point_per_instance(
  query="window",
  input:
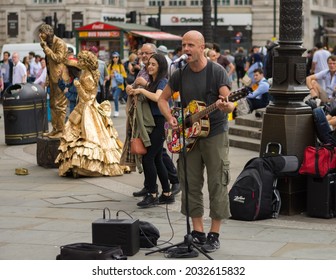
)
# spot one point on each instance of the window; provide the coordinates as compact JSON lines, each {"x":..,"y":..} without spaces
{"x":111,"y":2}
{"x":158,"y":3}
{"x":243,"y":2}
{"x":197,"y":3}
{"x":178,"y":3}
{"x":48,"y":1}
{"x":330,"y":22}
{"x":223,"y":2}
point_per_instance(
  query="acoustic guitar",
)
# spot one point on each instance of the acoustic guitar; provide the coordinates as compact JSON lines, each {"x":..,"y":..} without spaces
{"x":196,"y":122}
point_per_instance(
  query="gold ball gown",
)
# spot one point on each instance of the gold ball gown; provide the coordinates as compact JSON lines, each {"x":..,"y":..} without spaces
{"x":90,"y":145}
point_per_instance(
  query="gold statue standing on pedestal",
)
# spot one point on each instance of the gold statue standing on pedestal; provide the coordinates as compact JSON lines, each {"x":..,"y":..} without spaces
{"x":89,"y":144}
{"x":55,"y":50}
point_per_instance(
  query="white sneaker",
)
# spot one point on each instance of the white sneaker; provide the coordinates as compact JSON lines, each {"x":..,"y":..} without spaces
{"x":116,"y":114}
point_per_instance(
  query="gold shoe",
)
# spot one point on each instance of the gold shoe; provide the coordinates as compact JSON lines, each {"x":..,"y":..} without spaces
{"x":21,"y":171}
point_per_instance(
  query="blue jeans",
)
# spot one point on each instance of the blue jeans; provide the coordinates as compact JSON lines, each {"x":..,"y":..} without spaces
{"x":115,"y":93}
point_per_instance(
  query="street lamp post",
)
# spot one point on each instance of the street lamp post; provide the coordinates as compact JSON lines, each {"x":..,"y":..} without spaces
{"x":274,"y":20}
{"x":294,"y":128}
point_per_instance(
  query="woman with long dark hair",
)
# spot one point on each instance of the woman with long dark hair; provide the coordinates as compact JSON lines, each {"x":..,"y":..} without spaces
{"x":152,"y":163}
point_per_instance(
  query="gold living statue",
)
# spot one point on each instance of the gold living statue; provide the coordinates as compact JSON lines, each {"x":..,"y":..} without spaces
{"x":55,"y":50}
{"x":89,"y":144}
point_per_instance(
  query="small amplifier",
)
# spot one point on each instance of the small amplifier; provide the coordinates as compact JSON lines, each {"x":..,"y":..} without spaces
{"x":124,"y":233}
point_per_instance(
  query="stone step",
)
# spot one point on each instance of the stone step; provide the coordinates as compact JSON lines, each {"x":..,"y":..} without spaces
{"x":245,"y":131}
{"x":249,"y":120}
{"x":244,"y":143}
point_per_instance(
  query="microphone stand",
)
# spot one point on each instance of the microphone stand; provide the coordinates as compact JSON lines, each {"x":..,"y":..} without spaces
{"x":187,"y":248}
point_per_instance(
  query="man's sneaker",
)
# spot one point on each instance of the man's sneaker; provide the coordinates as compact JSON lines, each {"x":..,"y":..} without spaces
{"x":142,"y":192}
{"x":148,"y":201}
{"x":198,"y":237}
{"x":166,"y":199}
{"x":175,"y":189}
{"x":212,"y":243}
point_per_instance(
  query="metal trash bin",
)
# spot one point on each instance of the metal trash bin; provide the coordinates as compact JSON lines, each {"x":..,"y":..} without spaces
{"x":25,"y":113}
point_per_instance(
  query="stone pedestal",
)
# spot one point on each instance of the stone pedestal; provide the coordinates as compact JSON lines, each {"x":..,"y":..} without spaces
{"x":47,"y":152}
{"x":294,"y":133}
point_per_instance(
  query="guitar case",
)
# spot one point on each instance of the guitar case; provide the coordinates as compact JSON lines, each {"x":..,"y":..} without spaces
{"x":321,"y":196}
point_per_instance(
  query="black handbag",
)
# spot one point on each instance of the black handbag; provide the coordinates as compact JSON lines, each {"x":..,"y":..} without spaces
{"x":89,"y":251}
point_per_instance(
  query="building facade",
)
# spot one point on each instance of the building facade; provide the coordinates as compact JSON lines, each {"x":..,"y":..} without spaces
{"x":234,"y":22}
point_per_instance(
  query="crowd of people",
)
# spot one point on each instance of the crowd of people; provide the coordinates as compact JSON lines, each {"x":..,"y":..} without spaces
{"x":149,"y":82}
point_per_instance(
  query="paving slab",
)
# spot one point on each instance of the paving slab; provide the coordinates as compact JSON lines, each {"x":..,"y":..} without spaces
{"x":42,"y":211}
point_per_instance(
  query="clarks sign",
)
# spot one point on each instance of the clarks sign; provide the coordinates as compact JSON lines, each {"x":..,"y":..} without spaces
{"x":197,"y":19}
{"x":192,"y":20}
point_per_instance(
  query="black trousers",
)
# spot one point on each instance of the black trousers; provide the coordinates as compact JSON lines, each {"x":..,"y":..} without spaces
{"x":152,"y":162}
{"x":169,"y":164}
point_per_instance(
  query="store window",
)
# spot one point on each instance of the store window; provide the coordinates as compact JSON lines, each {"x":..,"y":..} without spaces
{"x":111,"y":2}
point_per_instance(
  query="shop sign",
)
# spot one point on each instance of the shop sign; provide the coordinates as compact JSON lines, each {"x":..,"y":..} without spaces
{"x":12,"y":25}
{"x":197,"y":19}
{"x":113,"y":19}
{"x":77,"y":20}
{"x":99,"y":34}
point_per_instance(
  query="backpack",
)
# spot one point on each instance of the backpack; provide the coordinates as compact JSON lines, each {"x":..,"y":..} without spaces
{"x":268,"y":60}
{"x":148,"y":234}
{"x":254,"y":195}
{"x":240,"y":60}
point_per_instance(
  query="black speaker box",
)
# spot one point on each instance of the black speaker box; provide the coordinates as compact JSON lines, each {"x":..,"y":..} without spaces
{"x":124,"y":233}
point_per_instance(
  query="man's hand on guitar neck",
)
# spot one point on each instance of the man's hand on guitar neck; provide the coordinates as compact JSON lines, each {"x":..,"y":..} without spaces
{"x":224,"y":105}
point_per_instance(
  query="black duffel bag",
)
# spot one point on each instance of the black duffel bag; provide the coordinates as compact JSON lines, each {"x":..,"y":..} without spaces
{"x":89,"y":251}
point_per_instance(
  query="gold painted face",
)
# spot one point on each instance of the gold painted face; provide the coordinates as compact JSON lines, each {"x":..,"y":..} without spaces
{"x":87,"y":60}
{"x":43,"y":36}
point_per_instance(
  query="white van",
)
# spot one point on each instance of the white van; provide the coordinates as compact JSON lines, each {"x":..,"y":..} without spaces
{"x":24,"y":48}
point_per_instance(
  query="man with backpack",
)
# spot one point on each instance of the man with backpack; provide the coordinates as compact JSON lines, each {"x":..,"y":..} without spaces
{"x":268,"y":59}
{"x":240,"y":61}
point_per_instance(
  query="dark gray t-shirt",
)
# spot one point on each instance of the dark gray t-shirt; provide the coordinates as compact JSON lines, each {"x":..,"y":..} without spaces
{"x":194,"y":88}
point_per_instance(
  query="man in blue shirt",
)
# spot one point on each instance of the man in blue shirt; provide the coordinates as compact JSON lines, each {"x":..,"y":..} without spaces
{"x":259,"y":97}
{"x":327,"y":92}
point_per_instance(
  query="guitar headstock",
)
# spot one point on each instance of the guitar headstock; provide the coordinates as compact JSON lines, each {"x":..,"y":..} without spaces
{"x":238,"y":94}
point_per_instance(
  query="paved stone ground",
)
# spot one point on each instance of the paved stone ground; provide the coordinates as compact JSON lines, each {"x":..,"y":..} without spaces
{"x":42,"y":211}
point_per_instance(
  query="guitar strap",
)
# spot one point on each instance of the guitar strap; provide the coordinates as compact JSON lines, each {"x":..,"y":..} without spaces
{"x":208,"y":82}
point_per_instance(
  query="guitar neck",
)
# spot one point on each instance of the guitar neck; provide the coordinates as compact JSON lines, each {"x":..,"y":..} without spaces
{"x":234,"y":96}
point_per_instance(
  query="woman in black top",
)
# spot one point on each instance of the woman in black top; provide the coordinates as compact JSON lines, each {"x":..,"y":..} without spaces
{"x":152,"y":161}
